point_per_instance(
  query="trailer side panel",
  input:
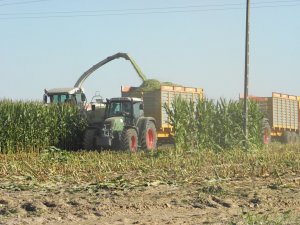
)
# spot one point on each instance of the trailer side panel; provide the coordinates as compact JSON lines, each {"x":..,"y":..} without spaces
{"x":285,"y":112}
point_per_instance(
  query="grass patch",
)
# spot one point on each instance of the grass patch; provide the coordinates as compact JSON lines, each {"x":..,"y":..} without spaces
{"x":274,"y":219}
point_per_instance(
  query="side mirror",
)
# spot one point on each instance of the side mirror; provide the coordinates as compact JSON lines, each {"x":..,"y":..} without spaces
{"x":45,"y":99}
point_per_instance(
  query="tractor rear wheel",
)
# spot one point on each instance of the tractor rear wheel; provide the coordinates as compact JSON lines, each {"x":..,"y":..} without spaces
{"x":149,"y":136}
{"x":89,"y":142}
{"x":129,"y":140}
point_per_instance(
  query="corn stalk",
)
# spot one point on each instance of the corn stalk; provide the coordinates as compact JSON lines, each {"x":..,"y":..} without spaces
{"x":213,"y":125}
{"x":34,"y":126}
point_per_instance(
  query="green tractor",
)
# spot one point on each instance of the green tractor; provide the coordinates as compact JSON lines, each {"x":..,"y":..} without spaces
{"x":124,"y":127}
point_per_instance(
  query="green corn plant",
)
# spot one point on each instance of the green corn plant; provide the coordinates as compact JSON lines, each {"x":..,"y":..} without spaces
{"x":177,"y":118}
{"x":204,"y":119}
{"x":216,"y":125}
{"x":34,"y":126}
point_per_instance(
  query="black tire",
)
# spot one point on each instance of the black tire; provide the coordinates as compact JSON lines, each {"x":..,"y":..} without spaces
{"x":129,"y":140}
{"x":89,"y":142}
{"x":148,"y":136}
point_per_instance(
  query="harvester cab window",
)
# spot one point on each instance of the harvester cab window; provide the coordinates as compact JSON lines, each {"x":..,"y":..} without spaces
{"x":55,"y":99}
{"x":64,"y":98}
{"x":78,"y":98}
{"x":59,"y":98}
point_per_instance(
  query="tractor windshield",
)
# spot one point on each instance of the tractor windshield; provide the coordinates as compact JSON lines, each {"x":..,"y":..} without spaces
{"x":119,"y":108}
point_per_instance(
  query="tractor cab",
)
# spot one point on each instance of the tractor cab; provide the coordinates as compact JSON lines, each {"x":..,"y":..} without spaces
{"x":74,"y":96}
{"x":129,"y":108}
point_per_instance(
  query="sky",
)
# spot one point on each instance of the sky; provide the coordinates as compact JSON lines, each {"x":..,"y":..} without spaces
{"x":195,"y":43}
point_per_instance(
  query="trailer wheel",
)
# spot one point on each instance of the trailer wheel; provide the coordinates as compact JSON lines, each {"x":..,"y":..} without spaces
{"x":89,"y":142}
{"x":129,"y":140}
{"x":149,"y":136}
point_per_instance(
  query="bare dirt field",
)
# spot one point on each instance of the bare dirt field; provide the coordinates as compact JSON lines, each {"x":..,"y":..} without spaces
{"x":229,"y":201}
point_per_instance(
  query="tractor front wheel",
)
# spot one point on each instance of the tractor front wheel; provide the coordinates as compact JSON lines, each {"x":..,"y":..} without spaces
{"x":129,"y":140}
{"x":149,"y":136}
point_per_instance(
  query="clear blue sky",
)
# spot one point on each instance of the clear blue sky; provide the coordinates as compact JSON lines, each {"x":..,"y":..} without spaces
{"x":198,"y":43}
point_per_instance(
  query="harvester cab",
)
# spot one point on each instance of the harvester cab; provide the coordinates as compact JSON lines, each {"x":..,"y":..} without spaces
{"x":73,"y":96}
{"x":124,"y":127}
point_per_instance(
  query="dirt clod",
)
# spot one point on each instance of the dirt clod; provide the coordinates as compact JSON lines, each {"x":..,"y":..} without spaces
{"x":29,"y":207}
{"x":49,"y":204}
{"x":3,"y":202}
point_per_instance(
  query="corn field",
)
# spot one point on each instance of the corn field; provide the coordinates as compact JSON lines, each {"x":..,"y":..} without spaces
{"x":204,"y":124}
{"x":213,"y":125}
{"x":29,"y":126}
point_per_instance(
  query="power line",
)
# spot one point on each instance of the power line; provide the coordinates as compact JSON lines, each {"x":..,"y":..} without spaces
{"x":146,"y":11}
{"x":230,"y":4}
{"x":125,"y":10}
{"x":22,"y":3}
{"x":152,"y":8}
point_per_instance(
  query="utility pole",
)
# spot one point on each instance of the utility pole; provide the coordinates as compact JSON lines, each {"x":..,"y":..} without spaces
{"x":246,"y":74}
